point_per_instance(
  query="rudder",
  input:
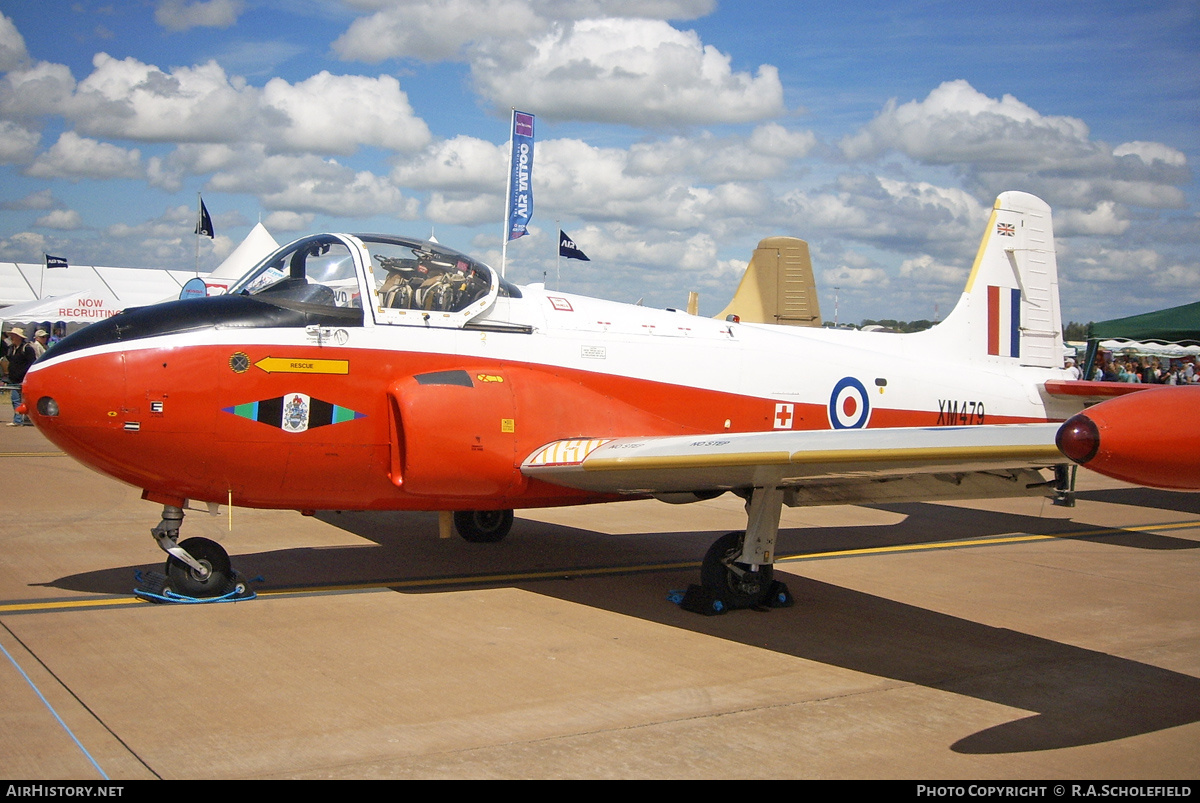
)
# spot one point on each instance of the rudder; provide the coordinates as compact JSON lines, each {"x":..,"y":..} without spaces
{"x":1009,"y":309}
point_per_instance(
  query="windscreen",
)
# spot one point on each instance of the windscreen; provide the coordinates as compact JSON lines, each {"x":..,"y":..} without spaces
{"x":315,"y":270}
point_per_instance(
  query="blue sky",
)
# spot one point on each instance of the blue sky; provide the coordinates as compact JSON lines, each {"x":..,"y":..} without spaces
{"x":672,"y":135}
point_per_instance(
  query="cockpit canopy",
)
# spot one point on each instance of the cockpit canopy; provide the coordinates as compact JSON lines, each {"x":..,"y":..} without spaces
{"x":406,"y":281}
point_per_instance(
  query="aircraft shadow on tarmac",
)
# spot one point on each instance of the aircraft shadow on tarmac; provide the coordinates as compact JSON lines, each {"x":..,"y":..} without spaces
{"x":1184,"y":502}
{"x":1077,"y":696}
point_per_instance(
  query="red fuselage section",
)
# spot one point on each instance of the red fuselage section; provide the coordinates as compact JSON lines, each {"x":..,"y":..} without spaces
{"x":1148,"y":438}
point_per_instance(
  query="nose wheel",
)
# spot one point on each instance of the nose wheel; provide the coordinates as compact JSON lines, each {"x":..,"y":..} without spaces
{"x":197,"y":568}
{"x":213,"y":578}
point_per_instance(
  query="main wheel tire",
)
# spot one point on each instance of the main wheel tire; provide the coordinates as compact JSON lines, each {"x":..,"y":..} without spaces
{"x":483,"y":526}
{"x":184,"y":580}
{"x":731,"y":581}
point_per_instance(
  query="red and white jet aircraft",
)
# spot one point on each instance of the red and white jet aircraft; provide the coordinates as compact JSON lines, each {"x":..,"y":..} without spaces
{"x":1147,"y":438}
{"x":364,"y":372}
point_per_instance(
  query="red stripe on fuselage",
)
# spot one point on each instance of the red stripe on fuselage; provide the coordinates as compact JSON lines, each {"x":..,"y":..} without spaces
{"x":155,"y":418}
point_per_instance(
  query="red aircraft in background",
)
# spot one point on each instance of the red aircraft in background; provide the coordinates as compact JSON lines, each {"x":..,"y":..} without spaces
{"x":1147,"y":438}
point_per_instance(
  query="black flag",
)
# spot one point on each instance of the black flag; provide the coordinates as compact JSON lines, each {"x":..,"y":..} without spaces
{"x":568,"y":249}
{"x":55,"y":262}
{"x":204,"y":224}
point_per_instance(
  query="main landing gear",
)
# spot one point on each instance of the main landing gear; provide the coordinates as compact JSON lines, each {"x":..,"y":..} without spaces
{"x":197,"y":568}
{"x":738,"y":570}
{"x":483,"y":526}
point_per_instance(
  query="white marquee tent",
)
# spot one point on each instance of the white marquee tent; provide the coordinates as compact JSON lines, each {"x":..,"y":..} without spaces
{"x":87,"y":293}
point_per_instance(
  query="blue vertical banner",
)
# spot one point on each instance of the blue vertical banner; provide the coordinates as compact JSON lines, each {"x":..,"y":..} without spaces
{"x":520,"y":185}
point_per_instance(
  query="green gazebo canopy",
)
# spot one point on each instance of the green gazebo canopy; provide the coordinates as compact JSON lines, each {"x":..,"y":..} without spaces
{"x":1174,"y":325}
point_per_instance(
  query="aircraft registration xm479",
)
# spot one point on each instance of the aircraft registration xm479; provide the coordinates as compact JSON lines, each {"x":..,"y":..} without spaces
{"x":367,"y":372}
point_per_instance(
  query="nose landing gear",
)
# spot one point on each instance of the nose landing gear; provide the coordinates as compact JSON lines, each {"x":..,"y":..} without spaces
{"x":197,"y":569}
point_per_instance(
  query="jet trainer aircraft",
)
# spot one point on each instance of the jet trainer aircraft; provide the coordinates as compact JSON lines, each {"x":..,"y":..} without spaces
{"x":367,"y":372}
{"x":1146,"y":438}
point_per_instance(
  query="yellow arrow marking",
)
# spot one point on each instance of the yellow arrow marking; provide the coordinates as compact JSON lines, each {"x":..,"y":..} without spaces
{"x":288,"y":365}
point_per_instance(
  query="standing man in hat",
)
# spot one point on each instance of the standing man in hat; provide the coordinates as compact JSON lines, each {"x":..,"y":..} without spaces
{"x":41,"y":342}
{"x":20,"y":356}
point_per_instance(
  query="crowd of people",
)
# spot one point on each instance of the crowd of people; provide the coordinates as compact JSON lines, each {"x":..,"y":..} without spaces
{"x":1144,"y":370}
{"x":17,"y":354}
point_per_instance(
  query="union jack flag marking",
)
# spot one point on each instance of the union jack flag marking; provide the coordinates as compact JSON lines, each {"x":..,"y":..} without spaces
{"x":1006,"y":229}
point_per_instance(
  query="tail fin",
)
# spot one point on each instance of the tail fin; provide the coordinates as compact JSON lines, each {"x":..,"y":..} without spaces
{"x":1009,"y":310}
{"x":778,"y":286}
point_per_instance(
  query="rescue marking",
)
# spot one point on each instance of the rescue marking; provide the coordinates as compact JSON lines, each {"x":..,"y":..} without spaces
{"x":288,"y":365}
{"x":239,"y":362}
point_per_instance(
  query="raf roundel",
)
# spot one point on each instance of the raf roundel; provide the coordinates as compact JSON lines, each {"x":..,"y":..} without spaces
{"x":849,"y":405}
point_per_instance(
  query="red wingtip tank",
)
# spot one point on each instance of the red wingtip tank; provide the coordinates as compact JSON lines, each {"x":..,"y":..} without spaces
{"x":1150,"y":438}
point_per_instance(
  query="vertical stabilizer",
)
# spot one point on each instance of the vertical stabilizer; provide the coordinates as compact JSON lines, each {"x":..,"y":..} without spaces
{"x":778,"y":286}
{"x":1009,"y":310}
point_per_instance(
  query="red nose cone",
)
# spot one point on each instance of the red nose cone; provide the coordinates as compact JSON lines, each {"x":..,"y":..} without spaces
{"x":1078,"y":438}
{"x":1147,"y":438}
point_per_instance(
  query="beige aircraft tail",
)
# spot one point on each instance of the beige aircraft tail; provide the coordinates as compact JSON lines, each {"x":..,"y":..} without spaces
{"x":778,"y":286}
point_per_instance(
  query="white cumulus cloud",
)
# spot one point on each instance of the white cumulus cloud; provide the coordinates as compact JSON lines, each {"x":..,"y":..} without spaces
{"x":63,"y":219}
{"x":180,"y":15}
{"x":640,"y":72}
{"x":17,"y":145}
{"x":12,"y":45}
{"x":1105,"y":219}
{"x":434,"y":30}
{"x":74,"y":157}
{"x":957,"y":123}
{"x":337,"y":114}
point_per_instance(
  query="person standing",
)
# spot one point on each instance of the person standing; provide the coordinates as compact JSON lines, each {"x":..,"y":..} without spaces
{"x":20,"y":356}
{"x":40,"y":342}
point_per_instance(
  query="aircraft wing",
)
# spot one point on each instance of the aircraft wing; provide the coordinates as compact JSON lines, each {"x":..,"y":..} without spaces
{"x":839,"y":466}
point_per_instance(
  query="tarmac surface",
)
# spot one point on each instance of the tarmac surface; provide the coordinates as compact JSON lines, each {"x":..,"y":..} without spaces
{"x":989,"y":640}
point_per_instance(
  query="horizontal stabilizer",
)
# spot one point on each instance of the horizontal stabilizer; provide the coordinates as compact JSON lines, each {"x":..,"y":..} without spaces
{"x":1086,"y":391}
{"x":778,"y":286}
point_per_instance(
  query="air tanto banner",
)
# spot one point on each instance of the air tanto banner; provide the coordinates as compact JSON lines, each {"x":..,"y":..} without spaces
{"x":520,"y":186}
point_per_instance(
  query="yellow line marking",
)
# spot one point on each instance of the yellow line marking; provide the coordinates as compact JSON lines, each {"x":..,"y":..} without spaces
{"x":18,"y":607}
{"x":1003,"y":539}
{"x":493,"y":579}
{"x":33,"y":454}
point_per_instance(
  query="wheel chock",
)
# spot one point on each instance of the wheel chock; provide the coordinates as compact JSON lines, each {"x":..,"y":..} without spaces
{"x":153,"y":588}
{"x":698,"y":599}
{"x":778,"y":596}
